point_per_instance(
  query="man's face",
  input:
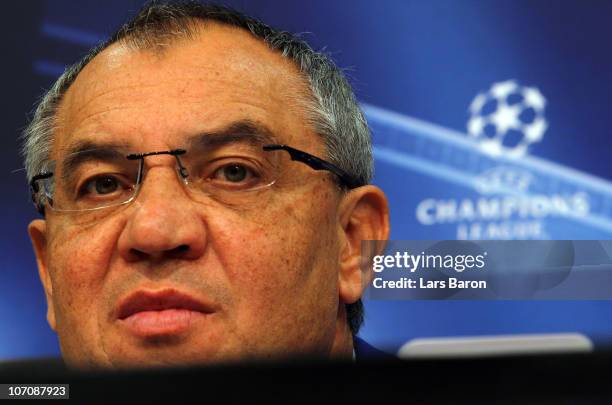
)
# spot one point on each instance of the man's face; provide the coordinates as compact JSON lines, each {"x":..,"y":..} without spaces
{"x":259,"y":280}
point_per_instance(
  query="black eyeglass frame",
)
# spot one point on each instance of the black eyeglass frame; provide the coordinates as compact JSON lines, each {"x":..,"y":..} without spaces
{"x":316,"y":163}
{"x":297,"y":155}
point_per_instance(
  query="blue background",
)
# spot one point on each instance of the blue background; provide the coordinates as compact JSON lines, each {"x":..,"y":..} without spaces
{"x":422,"y":60}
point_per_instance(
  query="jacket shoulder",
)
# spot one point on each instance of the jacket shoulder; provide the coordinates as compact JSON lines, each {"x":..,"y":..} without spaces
{"x":365,"y":351}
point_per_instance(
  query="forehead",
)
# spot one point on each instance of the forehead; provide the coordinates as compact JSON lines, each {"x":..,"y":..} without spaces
{"x":154,"y":99}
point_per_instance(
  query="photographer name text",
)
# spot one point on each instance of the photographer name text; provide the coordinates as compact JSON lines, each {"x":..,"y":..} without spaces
{"x":404,"y":261}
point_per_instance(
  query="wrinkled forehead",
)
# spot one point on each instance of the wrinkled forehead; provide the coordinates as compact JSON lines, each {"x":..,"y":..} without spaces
{"x":147,"y":99}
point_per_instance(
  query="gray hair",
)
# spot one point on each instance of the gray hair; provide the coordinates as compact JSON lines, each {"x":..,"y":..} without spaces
{"x":333,"y":111}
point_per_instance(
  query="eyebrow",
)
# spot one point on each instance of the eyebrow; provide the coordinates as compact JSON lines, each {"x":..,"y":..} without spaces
{"x":244,"y":131}
{"x":87,"y":151}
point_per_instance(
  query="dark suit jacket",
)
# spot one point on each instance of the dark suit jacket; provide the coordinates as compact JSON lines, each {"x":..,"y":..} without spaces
{"x":365,"y":351}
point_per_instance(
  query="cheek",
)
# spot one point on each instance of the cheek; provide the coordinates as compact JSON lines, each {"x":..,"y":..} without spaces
{"x":281,"y":244}
{"x":79,"y":260}
{"x":281,"y":265}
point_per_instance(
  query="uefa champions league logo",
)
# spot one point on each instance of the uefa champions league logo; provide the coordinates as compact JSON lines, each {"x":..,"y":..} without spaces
{"x":507,"y":119}
{"x":509,"y":198}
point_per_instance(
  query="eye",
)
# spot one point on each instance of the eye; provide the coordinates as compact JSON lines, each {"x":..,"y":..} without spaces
{"x":233,"y":173}
{"x":101,"y":185}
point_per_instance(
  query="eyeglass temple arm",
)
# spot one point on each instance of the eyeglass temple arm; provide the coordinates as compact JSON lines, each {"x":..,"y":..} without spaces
{"x":317,"y":164}
{"x":34,"y":188}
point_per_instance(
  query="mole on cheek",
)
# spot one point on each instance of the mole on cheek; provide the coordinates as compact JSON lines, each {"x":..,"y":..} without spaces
{"x":289,"y":211}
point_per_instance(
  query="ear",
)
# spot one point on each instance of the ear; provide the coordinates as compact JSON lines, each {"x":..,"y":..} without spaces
{"x":364,"y":215}
{"x":38,"y":235}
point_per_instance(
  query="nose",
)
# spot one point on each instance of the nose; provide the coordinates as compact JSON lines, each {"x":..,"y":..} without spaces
{"x":164,"y":223}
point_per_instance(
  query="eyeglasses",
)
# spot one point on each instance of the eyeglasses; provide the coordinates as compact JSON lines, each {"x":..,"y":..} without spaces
{"x":237,"y":175}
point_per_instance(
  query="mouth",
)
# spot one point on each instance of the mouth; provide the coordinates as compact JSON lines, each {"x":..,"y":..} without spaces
{"x":160,"y":313}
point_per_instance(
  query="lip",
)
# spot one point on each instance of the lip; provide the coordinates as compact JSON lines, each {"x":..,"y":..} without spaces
{"x":161,"y":313}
